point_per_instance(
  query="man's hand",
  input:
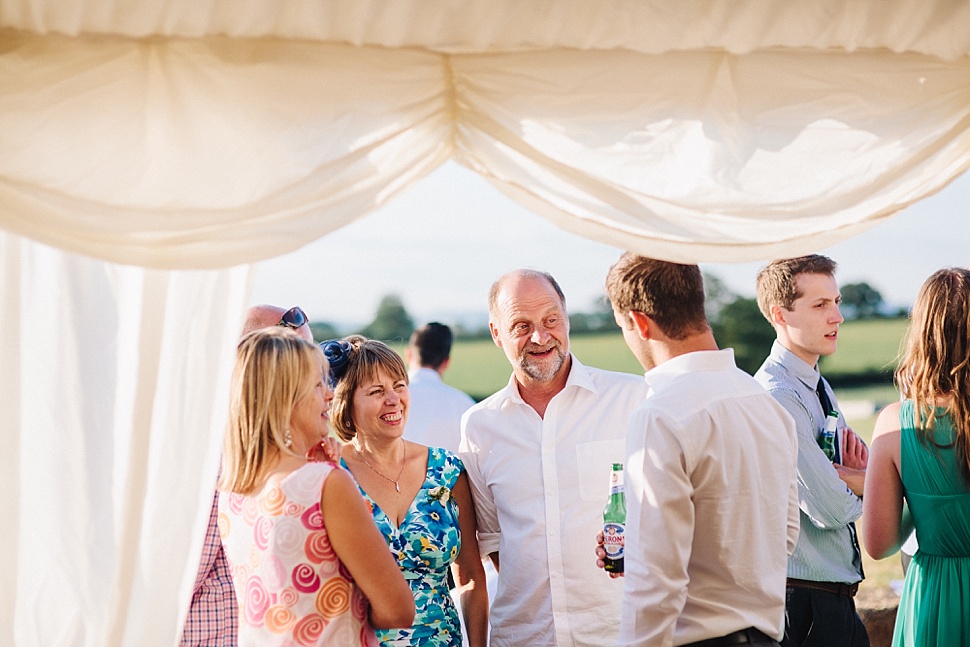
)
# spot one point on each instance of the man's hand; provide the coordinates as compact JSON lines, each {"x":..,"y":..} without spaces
{"x":855,"y":454}
{"x":601,"y":555}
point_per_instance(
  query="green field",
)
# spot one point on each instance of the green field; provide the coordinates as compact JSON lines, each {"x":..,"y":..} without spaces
{"x":480,"y":368}
{"x":871,"y":345}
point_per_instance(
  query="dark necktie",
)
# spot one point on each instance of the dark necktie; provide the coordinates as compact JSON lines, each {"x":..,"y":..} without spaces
{"x":826,"y":403}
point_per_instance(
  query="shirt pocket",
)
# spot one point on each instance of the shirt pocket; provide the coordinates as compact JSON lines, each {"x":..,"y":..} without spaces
{"x":594,"y":461}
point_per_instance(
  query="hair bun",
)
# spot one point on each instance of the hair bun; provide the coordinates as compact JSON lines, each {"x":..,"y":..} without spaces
{"x":337,"y":352}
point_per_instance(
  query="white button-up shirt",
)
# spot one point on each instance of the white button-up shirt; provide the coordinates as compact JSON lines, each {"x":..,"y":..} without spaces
{"x":712,"y":505}
{"x":434,"y":414}
{"x":540,"y":486}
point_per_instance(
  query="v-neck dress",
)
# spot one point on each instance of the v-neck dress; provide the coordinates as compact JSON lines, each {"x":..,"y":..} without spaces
{"x":425,"y":545}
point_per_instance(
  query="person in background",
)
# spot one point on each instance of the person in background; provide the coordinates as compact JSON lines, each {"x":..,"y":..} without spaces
{"x":213,"y":613}
{"x":418,"y":495}
{"x":712,"y":507}
{"x":539,"y":455}
{"x":434,"y":416}
{"x":921,"y":455}
{"x":436,"y":408}
{"x":309,"y":567}
{"x":800,"y":298}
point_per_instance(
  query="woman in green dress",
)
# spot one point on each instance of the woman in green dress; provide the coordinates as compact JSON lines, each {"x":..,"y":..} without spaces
{"x":920,"y":453}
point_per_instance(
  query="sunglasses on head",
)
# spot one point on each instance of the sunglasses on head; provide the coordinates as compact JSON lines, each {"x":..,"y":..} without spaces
{"x":293,"y":318}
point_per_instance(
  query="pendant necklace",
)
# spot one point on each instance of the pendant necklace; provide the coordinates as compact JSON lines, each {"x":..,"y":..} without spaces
{"x":378,"y":472}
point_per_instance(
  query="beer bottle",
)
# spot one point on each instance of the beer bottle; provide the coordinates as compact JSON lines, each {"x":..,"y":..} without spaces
{"x":614,"y":522}
{"x":827,"y":439}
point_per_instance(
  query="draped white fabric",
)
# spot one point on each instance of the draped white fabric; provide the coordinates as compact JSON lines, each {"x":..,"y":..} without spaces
{"x":172,"y":143}
{"x":203,"y":154}
{"x":113,"y":397}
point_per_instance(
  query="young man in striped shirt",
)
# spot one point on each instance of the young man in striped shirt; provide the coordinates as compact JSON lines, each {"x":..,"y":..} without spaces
{"x":800,"y":298}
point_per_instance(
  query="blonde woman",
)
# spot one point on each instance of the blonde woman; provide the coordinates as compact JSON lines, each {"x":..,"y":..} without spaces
{"x":419,"y":496}
{"x":921,"y":454}
{"x":308,"y":566}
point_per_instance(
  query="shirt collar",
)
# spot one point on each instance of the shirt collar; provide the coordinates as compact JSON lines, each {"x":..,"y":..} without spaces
{"x":578,"y":376}
{"x":799,"y":369}
{"x":424,"y":374}
{"x":702,"y":360}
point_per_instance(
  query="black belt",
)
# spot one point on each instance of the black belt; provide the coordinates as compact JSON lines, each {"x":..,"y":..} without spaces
{"x":747,"y":636}
{"x":838,"y":588}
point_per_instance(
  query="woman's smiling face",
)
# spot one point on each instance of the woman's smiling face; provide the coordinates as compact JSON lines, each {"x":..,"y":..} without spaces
{"x":381,"y":406}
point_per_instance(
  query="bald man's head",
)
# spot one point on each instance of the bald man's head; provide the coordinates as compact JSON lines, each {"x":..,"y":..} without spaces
{"x":266,"y":316}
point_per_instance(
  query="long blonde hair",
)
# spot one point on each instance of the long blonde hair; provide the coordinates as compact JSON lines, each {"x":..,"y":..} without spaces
{"x":272,"y":373}
{"x":936,"y":361}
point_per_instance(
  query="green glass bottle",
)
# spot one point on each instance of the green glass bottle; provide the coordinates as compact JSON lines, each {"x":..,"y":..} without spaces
{"x":827,"y":439}
{"x":614,"y":522}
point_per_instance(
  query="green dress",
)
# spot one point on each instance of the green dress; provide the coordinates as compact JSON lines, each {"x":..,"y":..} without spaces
{"x":934,"y":609}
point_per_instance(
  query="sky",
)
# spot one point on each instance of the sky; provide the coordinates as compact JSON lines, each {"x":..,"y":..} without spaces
{"x":441,"y":244}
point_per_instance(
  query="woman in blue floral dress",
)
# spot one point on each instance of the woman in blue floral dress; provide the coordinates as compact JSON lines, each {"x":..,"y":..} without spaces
{"x":419,"y":496}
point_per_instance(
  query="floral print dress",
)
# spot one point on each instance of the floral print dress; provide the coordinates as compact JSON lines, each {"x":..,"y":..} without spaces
{"x":425,"y":545}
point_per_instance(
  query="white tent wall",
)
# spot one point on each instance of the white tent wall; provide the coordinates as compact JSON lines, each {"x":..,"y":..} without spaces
{"x":113,"y":393}
{"x":160,"y":147}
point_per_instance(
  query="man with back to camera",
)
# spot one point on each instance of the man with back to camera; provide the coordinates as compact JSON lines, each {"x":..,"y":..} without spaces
{"x":539,"y":455}
{"x":212,"y":620}
{"x":800,"y":298}
{"x":434,"y":417}
{"x":712,"y":510}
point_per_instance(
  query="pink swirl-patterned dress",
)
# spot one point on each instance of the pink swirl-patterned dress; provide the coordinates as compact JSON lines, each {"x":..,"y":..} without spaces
{"x":291,"y":587}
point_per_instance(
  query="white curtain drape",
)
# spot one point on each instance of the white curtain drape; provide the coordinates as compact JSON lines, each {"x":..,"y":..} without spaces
{"x":158,"y":148}
{"x":204,"y":154}
{"x":112,"y":399}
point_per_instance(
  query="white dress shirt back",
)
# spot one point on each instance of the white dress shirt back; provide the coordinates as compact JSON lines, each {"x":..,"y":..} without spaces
{"x":434,"y":415}
{"x":712,"y":505}
{"x":540,"y":487}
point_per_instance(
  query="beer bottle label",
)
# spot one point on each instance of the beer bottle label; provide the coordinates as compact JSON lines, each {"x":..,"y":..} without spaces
{"x":613,"y":540}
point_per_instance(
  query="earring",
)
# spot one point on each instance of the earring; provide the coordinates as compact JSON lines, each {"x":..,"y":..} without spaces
{"x":287,"y":439}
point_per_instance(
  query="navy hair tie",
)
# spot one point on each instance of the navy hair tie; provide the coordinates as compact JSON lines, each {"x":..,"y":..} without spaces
{"x":337,"y":352}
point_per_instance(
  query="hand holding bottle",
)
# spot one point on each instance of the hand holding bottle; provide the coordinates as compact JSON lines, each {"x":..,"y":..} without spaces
{"x":601,"y":555}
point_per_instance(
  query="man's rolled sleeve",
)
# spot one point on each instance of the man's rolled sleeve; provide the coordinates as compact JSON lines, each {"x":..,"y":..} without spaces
{"x":489,"y":532}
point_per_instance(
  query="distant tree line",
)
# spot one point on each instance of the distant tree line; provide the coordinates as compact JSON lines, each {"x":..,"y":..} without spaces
{"x":736,"y":320}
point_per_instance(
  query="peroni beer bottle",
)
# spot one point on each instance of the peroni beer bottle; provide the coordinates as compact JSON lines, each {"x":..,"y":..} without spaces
{"x":614,"y":522}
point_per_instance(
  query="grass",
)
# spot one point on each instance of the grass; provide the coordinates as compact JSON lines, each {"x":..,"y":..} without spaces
{"x":480,"y":368}
{"x":866,"y":346}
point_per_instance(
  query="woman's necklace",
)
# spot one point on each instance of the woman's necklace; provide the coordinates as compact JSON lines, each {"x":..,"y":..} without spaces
{"x":378,"y":472}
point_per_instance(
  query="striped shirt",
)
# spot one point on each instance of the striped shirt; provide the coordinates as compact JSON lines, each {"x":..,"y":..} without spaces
{"x":826,"y":551}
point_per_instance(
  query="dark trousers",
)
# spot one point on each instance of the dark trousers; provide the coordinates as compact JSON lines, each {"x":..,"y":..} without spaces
{"x":822,"y":619}
{"x":751,"y":637}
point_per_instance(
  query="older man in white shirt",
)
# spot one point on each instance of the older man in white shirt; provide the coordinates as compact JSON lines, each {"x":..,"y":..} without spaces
{"x":539,"y":455}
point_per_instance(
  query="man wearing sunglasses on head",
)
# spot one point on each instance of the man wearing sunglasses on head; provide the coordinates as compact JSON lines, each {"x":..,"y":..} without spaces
{"x":212,"y":619}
